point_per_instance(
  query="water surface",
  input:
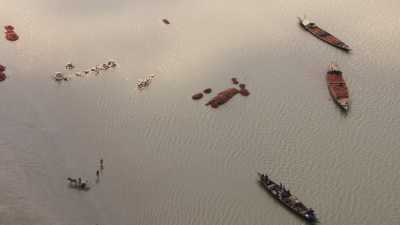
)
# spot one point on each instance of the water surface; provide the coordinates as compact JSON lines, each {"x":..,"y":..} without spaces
{"x":172,"y":161}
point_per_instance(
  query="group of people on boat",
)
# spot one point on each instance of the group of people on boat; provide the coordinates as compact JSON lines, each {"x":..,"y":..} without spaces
{"x":284,"y":195}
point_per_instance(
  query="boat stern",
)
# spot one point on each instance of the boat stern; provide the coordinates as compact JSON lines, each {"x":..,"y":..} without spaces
{"x":311,"y":217}
{"x":344,"y":104}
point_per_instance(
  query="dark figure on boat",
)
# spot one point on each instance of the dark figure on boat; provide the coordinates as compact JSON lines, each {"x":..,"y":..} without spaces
{"x":280,"y":193}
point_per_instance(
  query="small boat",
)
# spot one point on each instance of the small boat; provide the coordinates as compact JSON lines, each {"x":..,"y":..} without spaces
{"x":280,"y":193}
{"x":323,"y":35}
{"x":337,"y":87}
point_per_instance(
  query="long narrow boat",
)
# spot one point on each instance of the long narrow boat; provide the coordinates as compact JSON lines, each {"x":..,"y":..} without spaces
{"x":323,"y":35}
{"x":280,"y":193}
{"x":337,"y":87}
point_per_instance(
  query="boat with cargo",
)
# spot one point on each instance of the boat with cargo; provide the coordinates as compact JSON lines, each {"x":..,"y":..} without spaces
{"x":337,"y":87}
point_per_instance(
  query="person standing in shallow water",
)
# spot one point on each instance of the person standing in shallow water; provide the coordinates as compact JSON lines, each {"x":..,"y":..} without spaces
{"x":97,"y":176}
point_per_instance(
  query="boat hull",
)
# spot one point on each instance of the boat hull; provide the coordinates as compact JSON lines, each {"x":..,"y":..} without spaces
{"x":303,"y":213}
{"x":338,"y":89}
{"x":325,"y":36}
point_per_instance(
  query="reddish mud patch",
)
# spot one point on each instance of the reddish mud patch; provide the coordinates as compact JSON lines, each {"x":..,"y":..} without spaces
{"x":10,"y":33}
{"x":207,"y":91}
{"x":235,"y":81}
{"x":12,"y":36}
{"x":223,"y":97}
{"x":244,"y":92}
{"x":197,"y":96}
{"x":2,"y":76}
{"x":9,"y":28}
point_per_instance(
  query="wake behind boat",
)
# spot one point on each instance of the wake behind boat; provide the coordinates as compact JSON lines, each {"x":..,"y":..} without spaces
{"x":323,"y":35}
{"x":337,"y":87}
{"x":280,"y":193}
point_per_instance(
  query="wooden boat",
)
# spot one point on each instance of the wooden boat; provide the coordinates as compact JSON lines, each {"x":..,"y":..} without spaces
{"x":337,"y":87}
{"x":323,"y":35}
{"x":280,"y":193}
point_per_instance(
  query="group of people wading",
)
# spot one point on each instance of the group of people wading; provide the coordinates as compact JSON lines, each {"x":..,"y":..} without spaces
{"x":83,"y":184}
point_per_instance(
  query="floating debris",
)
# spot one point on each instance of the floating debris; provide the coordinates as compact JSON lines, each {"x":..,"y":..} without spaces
{"x":235,"y":81}
{"x":207,"y":91}
{"x":111,"y":63}
{"x":145,"y":82}
{"x":166,"y":21}
{"x":59,"y":76}
{"x":69,"y":66}
{"x":10,"y":33}
{"x":223,"y":97}
{"x":106,"y":67}
{"x":96,"y":70}
{"x":197,"y":96}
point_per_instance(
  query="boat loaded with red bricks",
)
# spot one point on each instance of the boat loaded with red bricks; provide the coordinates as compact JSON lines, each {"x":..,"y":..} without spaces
{"x":280,"y":193}
{"x":337,"y":87}
{"x":323,"y":35}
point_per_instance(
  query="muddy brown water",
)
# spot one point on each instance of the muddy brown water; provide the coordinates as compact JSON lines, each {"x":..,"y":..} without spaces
{"x":168,"y":160}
